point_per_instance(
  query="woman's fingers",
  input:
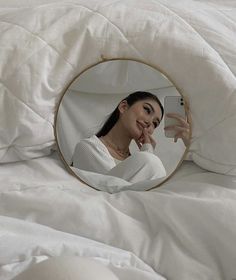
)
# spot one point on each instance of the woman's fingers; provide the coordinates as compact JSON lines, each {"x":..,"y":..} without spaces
{"x":148,"y":138}
{"x":178,"y":135}
{"x":179,"y":118}
{"x":181,"y":132}
{"x":138,"y":143}
{"x":183,"y":128}
{"x":187,"y":109}
{"x":176,"y":127}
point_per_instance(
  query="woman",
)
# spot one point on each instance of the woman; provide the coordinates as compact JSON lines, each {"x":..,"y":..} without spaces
{"x":135,"y":118}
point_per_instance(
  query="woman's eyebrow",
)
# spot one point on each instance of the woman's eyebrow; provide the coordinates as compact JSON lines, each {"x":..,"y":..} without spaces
{"x":152,"y":110}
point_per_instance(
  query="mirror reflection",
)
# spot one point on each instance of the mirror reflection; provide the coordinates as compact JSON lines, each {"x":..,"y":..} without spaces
{"x":122,"y":125}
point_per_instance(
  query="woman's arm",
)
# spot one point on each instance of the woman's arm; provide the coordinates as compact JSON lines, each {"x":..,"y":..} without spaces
{"x":182,"y":130}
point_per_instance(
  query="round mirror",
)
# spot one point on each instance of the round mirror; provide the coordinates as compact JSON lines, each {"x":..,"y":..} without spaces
{"x":122,"y":125}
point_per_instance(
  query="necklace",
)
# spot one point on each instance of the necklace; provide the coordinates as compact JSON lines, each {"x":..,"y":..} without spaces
{"x":119,"y":151}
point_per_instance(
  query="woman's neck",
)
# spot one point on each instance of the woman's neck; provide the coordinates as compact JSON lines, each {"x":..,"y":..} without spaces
{"x":117,"y":136}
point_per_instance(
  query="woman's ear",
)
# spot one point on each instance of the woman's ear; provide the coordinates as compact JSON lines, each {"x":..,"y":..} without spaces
{"x":123,"y":106}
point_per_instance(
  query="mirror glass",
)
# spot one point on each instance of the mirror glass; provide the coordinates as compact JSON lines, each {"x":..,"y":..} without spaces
{"x":129,"y":150}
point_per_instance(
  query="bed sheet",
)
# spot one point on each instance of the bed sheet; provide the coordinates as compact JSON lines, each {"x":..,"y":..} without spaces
{"x":25,"y":241}
{"x":183,"y":230}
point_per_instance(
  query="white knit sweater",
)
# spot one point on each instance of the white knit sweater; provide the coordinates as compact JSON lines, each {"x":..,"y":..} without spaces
{"x":92,"y":155}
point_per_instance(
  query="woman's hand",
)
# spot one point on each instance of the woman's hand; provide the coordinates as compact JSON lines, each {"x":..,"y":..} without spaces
{"x":182,"y":130}
{"x":146,"y":138}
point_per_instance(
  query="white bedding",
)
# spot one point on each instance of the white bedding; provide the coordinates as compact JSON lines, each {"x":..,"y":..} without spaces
{"x":43,"y":47}
{"x":183,"y":230}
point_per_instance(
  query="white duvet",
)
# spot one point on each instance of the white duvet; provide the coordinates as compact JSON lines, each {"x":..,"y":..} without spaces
{"x":44,"y":46}
{"x":183,"y":230}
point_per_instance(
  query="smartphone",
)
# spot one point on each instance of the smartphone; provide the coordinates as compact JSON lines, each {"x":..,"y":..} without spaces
{"x":173,"y":104}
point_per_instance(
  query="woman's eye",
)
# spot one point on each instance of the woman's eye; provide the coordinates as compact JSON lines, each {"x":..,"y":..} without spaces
{"x":147,"y":110}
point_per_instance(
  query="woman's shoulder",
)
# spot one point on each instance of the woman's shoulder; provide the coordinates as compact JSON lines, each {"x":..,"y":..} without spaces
{"x":93,"y":147}
{"x":92,"y":143}
{"x":92,"y":140}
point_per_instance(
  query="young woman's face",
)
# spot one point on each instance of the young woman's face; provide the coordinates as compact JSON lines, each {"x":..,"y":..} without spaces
{"x":143,"y":113}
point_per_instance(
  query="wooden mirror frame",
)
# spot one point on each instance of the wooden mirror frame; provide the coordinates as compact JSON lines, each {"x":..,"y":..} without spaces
{"x":103,"y":59}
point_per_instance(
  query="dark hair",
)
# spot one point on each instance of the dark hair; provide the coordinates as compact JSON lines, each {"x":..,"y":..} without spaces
{"x":131,"y":99}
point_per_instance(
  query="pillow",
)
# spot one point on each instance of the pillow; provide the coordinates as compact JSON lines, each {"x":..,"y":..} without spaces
{"x":44,"y":47}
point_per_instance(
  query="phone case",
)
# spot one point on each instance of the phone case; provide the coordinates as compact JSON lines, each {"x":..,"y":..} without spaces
{"x":173,"y":104}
